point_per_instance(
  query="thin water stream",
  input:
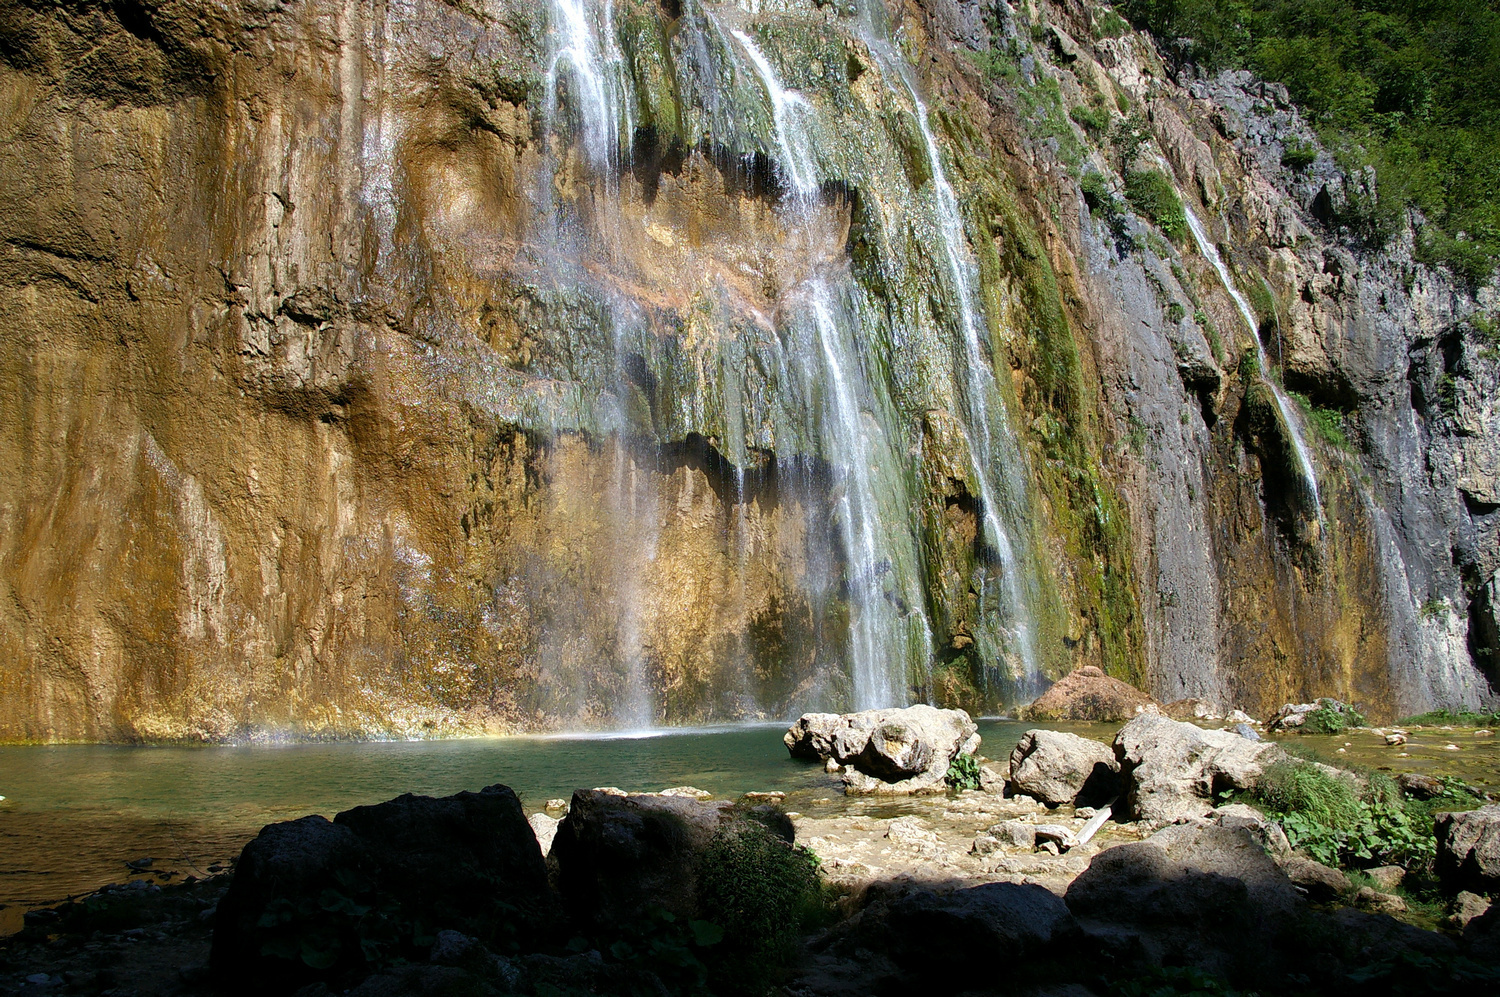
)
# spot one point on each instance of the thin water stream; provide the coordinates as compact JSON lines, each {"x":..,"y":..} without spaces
{"x":1283,"y":404}
{"x":998,"y":468}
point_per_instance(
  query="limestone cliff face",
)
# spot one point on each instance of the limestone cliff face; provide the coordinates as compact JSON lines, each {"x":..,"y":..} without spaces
{"x":360,"y":376}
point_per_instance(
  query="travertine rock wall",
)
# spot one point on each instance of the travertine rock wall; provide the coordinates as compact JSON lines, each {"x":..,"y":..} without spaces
{"x":302,"y":431}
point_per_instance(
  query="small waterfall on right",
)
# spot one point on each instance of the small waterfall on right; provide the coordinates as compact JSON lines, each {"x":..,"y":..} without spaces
{"x":1283,"y":405}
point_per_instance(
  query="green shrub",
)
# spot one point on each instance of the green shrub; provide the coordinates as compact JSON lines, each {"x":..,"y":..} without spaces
{"x":963,"y":773}
{"x":763,"y":893}
{"x":1448,"y":718}
{"x":1407,"y":88}
{"x":1175,"y":312}
{"x":1094,"y":120}
{"x":1330,"y":719}
{"x":1150,"y":193}
{"x":1337,"y":822}
{"x":1298,"y":154}
{"x":1111,"y":25}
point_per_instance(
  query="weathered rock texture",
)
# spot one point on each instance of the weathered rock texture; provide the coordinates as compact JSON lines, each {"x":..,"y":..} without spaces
{"x":1088,"y":694}
{"x":892,"y":752}
{"x":1172,"y":769}
{"x":1057,"y":768}
{"x":356,"y":382}
{"x":1468,"y":850}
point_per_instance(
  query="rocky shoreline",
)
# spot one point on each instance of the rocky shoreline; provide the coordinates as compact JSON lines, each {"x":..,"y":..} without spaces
{"x":1077,"y":867}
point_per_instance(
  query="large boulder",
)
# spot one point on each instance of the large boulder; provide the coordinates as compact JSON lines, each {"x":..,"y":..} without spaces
{"x":1089,"y":694}
{"x":1198,"y":895}
{"x":962,"y":932}
{"x":1057,"y":768}
{"x":319,"y":899}
{"x":886,"y":751}
{"x":811,"y":737}
{"x":1171,"y":769}
{"x":620,"y":856}
{"x":1468,"y":850}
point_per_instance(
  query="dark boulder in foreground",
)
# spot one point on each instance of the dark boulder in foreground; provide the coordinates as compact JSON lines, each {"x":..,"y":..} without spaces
{"x":619,"y":856}
{"x":313,"y":898}
{"x":1203,"y":896}
{"x":1468,"y":850}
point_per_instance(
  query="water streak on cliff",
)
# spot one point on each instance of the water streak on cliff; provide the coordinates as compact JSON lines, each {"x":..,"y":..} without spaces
{"x":1309,"y":477}
{"x":998,"y":467}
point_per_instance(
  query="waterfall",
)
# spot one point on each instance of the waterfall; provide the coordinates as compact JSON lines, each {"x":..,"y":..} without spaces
{"x":584,"y":45}
{"x":1283,"y":405}
{"x":787,"y":110}
{"x":887,"y":628}
{"x":998,"y":468}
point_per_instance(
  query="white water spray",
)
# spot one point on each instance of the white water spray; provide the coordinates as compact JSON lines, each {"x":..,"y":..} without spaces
{"x":787,"y":110}
{"x":585,"y":46}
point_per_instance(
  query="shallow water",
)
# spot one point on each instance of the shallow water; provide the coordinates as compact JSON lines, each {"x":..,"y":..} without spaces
{"x":75,"y":814}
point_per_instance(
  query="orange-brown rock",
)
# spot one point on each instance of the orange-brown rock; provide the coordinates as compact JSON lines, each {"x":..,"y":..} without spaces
{"x":1089,"y":694}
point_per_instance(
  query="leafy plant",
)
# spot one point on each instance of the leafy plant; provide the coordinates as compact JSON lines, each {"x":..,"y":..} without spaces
{"x":1298,"y":154}
{"x":1338,"y":822}
{"x":763,"y":892}
{"x":1152,"y":194}
{"x":1331,"y":719}
{"x":963,"y":773}
{"x":1094,"y":120}
{"x":1111,"y":25}
{"x":1328,"y":422}
{"x":1175,"y":312}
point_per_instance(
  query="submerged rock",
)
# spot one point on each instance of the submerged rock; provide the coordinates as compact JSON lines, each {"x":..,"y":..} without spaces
{"x":1172,"y":769}
{"x":897,"y":751}
{"x":1089,"y":694}
{"x":1057,"y":768}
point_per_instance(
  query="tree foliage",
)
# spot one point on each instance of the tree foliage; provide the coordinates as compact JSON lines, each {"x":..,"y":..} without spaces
{"x":1411,"y":87}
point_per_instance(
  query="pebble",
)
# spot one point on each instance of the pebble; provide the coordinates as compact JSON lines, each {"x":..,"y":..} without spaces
{"x":38,"y":978}
{"x":1477,"y":733}
{"x":557,"y":805}
{"x":1450,"y":747}
{"x":1395,"y":739}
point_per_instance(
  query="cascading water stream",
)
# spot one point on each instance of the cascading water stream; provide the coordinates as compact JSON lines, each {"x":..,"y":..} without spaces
{"x":881,"y":633}
{"x":992,"y":452}
{"x":787,"y":109}
{"x":599,"y":92}
{"x":1288,"y":416}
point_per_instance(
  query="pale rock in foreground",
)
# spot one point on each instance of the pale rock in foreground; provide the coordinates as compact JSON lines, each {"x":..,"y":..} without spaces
{"x":1057,"y":768}
{"x":1468,"y":849}
{"x":1171,"y":769}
